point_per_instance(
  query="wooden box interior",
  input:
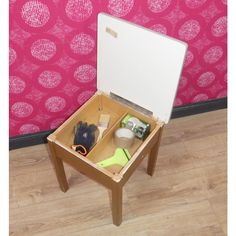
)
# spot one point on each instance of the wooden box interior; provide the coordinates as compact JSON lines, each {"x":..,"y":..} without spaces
{"x":90,"y":113}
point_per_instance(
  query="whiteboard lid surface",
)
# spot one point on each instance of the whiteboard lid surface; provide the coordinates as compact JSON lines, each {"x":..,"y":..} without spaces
{"x":139,"y":65}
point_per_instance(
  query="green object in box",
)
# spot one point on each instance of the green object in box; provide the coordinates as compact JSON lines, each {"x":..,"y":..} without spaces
{"x":121,"y":157}
{"x":140,"y":128}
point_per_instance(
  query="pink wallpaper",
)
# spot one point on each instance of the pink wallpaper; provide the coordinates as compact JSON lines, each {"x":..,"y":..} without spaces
{"x":53,"y":53}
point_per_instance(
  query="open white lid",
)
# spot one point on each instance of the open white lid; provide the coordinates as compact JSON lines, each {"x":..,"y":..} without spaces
{"x":139,"y":65}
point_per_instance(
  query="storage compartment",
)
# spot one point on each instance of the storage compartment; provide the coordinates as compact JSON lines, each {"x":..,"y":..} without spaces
{"x":90,"y":113}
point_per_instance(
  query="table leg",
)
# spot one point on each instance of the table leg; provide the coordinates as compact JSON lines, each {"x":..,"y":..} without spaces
{"x":117,"y":204}
{"x":59,"y":168}
{"x":153,"y":155}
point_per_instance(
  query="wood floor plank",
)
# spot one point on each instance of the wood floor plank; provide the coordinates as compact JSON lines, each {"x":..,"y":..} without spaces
{"x":166,"y":193}
{"x":79,"y":211}
{"x":174,"y":158}
{"x":219,"y":206}
{"x":29,"y":159}
{"x":215,"y":179}
{"x":196,"y":126}
{"x":186,"y":196}
{"x":192,"y":217}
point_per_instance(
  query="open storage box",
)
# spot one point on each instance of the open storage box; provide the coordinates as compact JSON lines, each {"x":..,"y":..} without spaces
{"x":142,"y":67}
{"x":100,"y":104}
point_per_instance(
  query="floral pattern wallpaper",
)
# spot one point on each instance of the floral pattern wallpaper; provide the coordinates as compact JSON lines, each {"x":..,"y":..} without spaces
{"x":52,"y":53}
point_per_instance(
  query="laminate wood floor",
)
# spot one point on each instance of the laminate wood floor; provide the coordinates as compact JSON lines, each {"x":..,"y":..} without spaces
{"x":186,"y":196}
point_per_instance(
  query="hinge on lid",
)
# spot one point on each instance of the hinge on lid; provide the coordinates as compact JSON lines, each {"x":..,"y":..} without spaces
{"x":131,"y":104}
